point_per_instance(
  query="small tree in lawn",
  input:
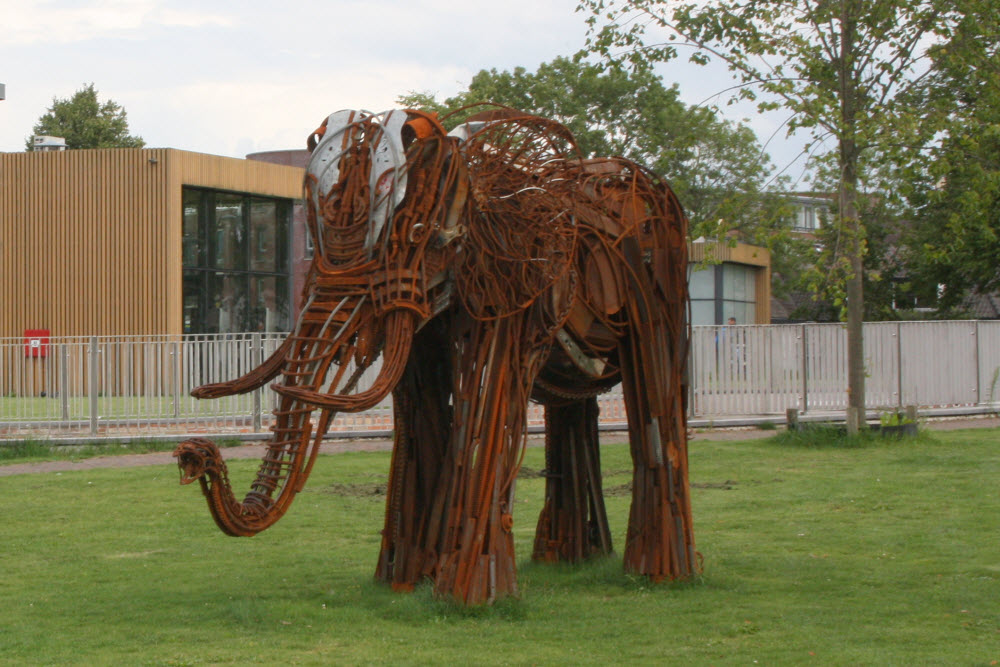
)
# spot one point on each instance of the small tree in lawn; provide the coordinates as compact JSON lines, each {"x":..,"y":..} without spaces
{"x":86,"y":122}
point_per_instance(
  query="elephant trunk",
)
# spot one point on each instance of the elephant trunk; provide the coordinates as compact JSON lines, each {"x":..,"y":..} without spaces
{"x":283,"y":472}
{"x":291,"y":452}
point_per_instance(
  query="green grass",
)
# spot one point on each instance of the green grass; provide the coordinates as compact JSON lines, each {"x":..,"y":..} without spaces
{"x":37,"y":408}
{"x":825,"y":436}
{"x":32,"y":451}
{"x":50,"y":408}
{"x":878,"y":554}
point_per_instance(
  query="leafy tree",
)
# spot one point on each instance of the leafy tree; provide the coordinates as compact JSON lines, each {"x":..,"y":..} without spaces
{"x":86,"y":122}
{"x":846,"y":69}
{"x":886,"y":215}
{"x":955,"y":241}
{"x":717,"y":168}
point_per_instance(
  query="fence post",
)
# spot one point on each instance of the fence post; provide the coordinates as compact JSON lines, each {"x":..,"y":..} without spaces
{"x":792,"y":419}
{"x":257,"y":358}
{"x":689,"y":373}
{"x":176,"y":368}
{"x":979,"y":369}
{"x":94,"y":384}
{"x":64,"y":380}
{"x":805,"y":370}
{"x":899,"y":364}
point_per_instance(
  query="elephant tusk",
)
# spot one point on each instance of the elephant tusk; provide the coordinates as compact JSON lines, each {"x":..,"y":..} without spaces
{"x":354,"y":403}
{"x":255,"y":379}
{"x":400,"y":329}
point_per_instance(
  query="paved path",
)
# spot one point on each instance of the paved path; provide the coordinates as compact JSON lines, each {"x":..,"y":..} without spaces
{"x":256,"y":450}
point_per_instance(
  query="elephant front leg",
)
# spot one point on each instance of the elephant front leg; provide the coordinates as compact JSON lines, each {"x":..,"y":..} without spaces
{"x":493,"y":376}
{"x":573,"y":524}
{"x":417,"y":477}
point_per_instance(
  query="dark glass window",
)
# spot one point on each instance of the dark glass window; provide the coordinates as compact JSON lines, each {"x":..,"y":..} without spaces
{"x":739,"y":293}
{"x":194,"y":290}
{"x":268,"y":248}
{"x":722,"y":291}
{"x":236,"y":264}
{"x":194,"y":244}
{"x":701,"y":288}
{"x":229,"y":233}
{"x":269,"y":308}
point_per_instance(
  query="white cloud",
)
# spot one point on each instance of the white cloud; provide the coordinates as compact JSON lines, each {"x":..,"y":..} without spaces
{"x":239,"y":117}
{"x":52,"y":22}
{"x":230,"y":78}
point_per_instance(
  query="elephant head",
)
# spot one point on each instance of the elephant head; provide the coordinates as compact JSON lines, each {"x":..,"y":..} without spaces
{"x":386,"y":196}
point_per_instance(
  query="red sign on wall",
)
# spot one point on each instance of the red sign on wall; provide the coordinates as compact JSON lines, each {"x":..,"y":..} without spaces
{"x":36,"y":342}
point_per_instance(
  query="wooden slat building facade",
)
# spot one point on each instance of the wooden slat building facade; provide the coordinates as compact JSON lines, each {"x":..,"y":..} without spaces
{"x":91,"y":240}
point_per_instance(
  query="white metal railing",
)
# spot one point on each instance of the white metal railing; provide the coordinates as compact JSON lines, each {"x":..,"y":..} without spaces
{"x":141,"y":385}
{"x":761,"y":370}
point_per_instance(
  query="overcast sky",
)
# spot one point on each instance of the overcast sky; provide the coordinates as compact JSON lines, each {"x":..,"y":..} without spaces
{"x":231,"y":78}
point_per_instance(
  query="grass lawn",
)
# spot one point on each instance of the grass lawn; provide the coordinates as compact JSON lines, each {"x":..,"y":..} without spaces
{"x":887,"y":553}
{"x":50,"y":408}
{"x":37,"y":451}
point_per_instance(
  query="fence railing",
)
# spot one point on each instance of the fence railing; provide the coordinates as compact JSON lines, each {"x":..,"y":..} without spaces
{"x":112,"y":386}
{"x":761,"y":370}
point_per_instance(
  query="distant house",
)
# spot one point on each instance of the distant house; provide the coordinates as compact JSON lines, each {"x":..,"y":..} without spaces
{"x":985,"y":306}
{"x":811,"y":210}
{"x":162,"y":241}
{"x":737,"y":281}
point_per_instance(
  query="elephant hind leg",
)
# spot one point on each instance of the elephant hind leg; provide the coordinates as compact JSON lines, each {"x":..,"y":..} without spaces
{"x":573,"y":524}
{"x":660,"y":538}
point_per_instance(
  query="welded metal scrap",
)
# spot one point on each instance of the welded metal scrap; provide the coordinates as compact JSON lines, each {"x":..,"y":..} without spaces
{"x":481,"y":268}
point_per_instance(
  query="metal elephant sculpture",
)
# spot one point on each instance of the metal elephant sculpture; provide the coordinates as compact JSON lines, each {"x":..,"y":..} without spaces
{"x":485,"y":267}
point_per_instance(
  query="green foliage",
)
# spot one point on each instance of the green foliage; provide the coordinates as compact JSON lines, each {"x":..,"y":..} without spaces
{"x":955,"y":241}
{"x":825,"y":435}
{"x":816,"y":60}
{"x":888,"y":287}
{"x":717,"y":168}
{"x":86,"y":122}
{"x":873,"y":555}
{"x":24,"y":450}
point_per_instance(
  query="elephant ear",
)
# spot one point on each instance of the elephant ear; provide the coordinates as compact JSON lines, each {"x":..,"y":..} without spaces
{"x":521,"y":239}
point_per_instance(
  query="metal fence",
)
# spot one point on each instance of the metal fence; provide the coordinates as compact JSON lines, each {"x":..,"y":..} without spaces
{"x":128,"y":386}
{"x":762,"y":370}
